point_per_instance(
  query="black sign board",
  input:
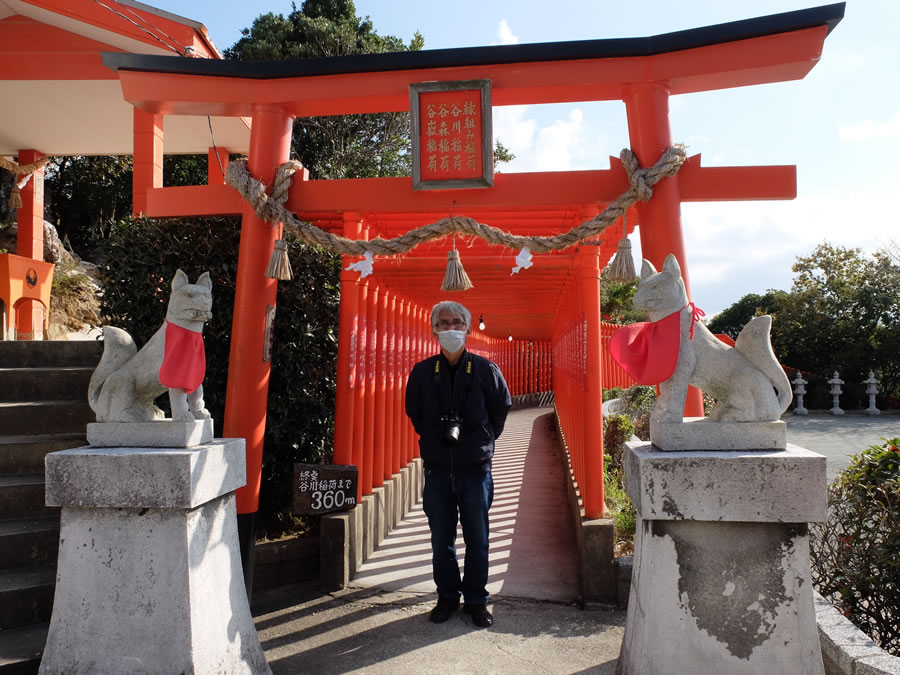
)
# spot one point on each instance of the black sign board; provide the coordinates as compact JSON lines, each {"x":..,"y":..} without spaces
{"x":322,"y":488}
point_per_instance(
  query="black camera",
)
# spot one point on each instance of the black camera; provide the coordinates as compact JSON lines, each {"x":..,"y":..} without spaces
{"x":451,"y":425}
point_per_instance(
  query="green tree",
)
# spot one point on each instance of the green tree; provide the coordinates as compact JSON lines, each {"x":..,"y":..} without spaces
{"x":616,"y":301}
{"x":7,"y":214}
{"x":840,"y":314}
{"x":502,"y":154}
{"x":346,"y":146}
{"x":732,"y":320}
{"x":87,"y":196}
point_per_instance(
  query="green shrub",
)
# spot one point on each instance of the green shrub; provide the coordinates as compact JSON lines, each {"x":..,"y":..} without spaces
{"x":621,"y":510}
{"x":139,"y":260}
{"x":709,"y":404}
{"x":855,"y":554}
{"x":642,"y":426}
{"x":639,"y":401}
{"x":615,"y":392}
{"x":617,"y":430}
{"x":640,"y":398}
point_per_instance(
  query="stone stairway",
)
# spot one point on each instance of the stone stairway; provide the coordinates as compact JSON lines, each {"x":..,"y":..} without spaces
{"x":43,"y":408}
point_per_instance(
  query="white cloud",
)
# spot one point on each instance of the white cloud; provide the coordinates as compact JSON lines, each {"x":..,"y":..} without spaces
{"x":557,"y":143}
{"x":735,"y":248}
{"x":505,"y":34}
{"x":513,"y":129}
{"x":563,"y":142}
{"x":695,"y":139}
{"x":851,"y":60}
{"x":869,"y":130}
{"x":709,"y":272}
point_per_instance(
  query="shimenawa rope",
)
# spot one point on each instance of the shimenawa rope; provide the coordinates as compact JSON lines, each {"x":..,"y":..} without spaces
{"x":271,"y":208}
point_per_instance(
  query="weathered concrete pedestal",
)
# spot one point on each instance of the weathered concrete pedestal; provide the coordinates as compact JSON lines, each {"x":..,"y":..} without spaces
{"x":721,"y":578}
{"x":149,"y":576}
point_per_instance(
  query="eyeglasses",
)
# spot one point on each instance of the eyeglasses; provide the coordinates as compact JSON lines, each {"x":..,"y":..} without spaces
{"x":456,"y":324}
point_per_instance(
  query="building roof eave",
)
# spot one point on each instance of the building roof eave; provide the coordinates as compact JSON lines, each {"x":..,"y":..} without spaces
{"x":826,"y":15}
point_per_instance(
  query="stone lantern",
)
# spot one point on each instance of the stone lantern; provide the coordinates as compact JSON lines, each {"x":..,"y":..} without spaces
{"x":835,"y":392}
{"x":871,"y":390}
{"x":799,"y":390}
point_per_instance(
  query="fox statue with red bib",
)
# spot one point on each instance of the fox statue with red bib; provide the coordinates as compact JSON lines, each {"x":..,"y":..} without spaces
{"x":127,"y":381}
{"x":675,"y":349}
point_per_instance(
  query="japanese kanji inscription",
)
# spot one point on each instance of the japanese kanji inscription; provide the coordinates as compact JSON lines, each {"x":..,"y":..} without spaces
{"x":452,"y":136}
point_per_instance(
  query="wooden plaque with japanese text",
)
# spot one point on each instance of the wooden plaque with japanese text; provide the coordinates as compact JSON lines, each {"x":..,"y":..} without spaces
{"x":452,"y":136}
{"x":322,"y":488}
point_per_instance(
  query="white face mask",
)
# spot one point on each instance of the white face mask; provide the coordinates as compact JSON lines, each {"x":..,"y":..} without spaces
{"x":452,"y":340}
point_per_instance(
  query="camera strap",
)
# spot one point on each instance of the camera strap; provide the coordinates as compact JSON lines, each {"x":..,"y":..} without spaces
{"x":468,"y":368}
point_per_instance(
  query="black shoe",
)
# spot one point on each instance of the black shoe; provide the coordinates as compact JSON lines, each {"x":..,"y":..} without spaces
{"x":443,"y":609}
{"x":481,"y":617}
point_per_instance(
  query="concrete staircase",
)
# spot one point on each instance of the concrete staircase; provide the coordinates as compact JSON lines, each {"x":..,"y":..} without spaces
{"x":43,"y":408}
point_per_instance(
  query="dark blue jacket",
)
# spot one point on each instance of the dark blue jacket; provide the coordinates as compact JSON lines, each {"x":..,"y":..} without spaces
{"x":480,"y":397}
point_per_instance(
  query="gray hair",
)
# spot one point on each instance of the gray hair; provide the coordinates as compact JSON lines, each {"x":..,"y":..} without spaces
{"x":450,"y":306}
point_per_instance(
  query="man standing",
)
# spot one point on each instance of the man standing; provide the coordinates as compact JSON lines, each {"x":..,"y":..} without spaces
{"x":458,"y":403}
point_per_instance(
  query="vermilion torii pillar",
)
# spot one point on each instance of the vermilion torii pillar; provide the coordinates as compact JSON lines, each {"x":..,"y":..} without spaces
{"x":347,"y":360}
{"x":247,"y":395}
{"x":647,"y":108}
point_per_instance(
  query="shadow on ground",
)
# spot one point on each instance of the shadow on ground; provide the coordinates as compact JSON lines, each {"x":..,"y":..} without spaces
{"x":304,"y":631}
{"x":380,"y":623}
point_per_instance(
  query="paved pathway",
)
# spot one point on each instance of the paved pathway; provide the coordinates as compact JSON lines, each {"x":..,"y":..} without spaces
{"x":840,"y":437}
{"x":380,"y":624}
{"x":532,"y":538}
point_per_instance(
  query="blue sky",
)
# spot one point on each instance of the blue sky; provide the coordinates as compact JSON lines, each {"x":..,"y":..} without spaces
{"x":840,"y":125}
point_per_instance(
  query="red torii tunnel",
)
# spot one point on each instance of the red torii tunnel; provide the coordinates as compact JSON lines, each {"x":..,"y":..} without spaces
{"x":551,"y":310}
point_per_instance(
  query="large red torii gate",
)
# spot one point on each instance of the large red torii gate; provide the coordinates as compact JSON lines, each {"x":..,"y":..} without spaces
{"x":641,"y":72}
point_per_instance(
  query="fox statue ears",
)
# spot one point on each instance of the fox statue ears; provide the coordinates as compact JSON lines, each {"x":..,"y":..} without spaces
{"x":670,"y":266}
{"x":206,"y":282}
{"x":181,"y":279}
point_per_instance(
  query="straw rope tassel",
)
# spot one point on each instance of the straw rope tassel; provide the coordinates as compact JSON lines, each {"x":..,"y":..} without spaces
{"x":17,"y":170}
{"x":622,"y":266}
{"x":15,"y":197}
{"x":279,"y":266}
{"x":455,"y":278}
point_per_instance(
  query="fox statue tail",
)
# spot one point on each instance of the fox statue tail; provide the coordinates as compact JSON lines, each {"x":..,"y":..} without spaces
{"x":118,"y":348}
{"x":755,"y":344}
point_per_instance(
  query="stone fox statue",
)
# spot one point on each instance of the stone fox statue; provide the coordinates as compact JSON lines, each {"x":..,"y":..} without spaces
{"x":127,"y":381}
{"x":744,"y":379}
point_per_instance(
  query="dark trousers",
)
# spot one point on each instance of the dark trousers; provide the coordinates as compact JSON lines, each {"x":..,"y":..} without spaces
{"x":465,"y":499}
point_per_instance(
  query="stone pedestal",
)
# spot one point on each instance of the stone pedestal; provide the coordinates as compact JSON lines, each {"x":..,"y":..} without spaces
{"x":721,"y":578}
{"x":701,"y":433}
{"x":149,"y":577}
{"x":159,"y":434}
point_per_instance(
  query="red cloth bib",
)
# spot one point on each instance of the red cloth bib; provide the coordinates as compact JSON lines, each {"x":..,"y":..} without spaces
{"x":184,"y":359}
{"x":648,"y":351}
